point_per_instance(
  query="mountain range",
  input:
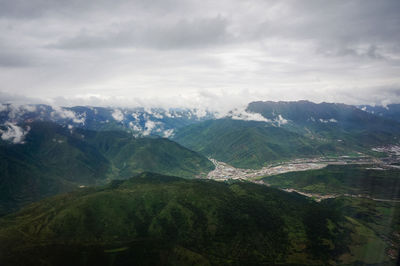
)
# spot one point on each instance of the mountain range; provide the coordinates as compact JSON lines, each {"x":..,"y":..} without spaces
{"x":48,"y":150}
{"x":286,"y":130}
{"x":55,"y":159}
{"x":118,"y":186}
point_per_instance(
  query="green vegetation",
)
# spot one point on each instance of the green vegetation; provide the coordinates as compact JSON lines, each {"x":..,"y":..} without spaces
{"x":129,"y":155}
{"x":155,"y":219}
{"x":341,"y":179}
{"x":52,"y":161}
{"x":374,"y":226}
{"x":55,"y":159}
{"x":249,"y":144}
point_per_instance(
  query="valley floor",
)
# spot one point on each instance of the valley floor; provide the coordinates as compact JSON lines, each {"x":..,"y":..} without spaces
{"x":224,"y":171}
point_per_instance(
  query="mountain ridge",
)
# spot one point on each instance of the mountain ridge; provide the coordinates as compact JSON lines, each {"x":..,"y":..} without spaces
{"x":56,"y":159}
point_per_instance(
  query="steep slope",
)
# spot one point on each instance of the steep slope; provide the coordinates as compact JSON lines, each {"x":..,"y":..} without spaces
{"x":53,"y":159}
{"x":249,"y":144}
{"x":129,"y":155}
{"x":158,"y":220}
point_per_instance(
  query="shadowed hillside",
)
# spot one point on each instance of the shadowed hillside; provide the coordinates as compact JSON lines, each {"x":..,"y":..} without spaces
{"x":158,"y":219}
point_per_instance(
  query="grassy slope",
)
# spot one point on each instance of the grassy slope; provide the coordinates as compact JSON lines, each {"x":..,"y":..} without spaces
{"x":248,"y":144}
{"x":155,"y":219}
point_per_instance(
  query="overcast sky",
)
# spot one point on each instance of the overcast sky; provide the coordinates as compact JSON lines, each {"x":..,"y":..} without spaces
{"x":211,"y":53}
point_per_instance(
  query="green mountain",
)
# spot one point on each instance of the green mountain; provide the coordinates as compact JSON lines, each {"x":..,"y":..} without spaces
{"x":129,"y":155}
{"x":55,"y":159}
{"x":51,"y":161}
{"x":250,"y":144}
{"x":153,"y":219}
{"x":290,"y":129}
{"x":331,"y":121}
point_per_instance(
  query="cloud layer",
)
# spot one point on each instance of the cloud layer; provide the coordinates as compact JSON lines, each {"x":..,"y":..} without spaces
{"x":167,"y":52}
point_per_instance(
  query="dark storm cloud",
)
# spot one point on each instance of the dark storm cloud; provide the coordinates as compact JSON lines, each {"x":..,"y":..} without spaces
{"x":289,"y":49}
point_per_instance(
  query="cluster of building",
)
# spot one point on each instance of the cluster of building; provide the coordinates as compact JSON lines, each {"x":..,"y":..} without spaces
{"x":224,"y":171}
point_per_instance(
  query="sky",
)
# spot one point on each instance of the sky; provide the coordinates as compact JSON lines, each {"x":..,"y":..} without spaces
{"x":184,"y":53}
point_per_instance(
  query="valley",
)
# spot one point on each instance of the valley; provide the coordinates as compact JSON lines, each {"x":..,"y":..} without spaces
{"x":224,"y":171}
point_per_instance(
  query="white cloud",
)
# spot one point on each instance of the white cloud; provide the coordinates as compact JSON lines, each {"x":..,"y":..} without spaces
{"x":242,"y":114}
{"x":29,"y":108}
{"x":158,"y":116}
{"x":280,"y":120}
{"x":68,"y":114}
{"x":149,"y":126}
{"x":331,"y":120}
{"x":135,"y":127}
{"x":168,"y":133}
{"x":200,"y":113}
{"x":13,"y":133}
{"x":117,"y":115}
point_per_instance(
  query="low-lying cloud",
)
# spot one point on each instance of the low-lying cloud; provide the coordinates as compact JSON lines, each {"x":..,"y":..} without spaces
{"x":13,"y":133}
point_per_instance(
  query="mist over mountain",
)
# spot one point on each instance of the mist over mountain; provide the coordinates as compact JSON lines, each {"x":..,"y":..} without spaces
{"x":165,"y":122}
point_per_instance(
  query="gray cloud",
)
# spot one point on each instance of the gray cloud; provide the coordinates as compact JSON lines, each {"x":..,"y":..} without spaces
{"x":9,"y":59}
{"x":147,"y":51}
{"x":181,"y":34}
{"x":33,"y":9}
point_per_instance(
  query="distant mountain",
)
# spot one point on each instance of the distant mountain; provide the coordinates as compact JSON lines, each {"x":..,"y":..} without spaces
{"x":51,"y":159}
{"x":140,"y":121}
{"x":269,"y":131}
{"x":161,"y":220}
{"x":344,"y":116}
{"x":324,"y":120}
{"x":331,"y":121}
{"x":284,"y":130}
{"x":250,"y":144}
{"x":391,"y":111}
